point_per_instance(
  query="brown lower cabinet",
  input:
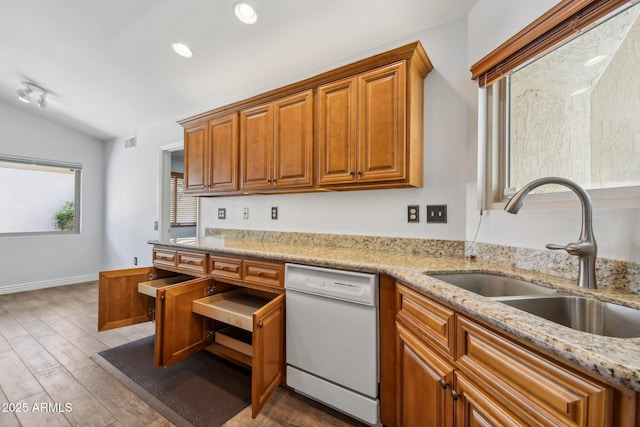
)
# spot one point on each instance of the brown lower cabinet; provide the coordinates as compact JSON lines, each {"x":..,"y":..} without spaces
{"x":450,"y":370}
{"x":241,"y":324}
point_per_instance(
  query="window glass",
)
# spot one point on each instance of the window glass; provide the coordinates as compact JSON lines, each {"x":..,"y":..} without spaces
{"x":575,"y":112}
{"x":183,"y":207}
{"x":39,"y":196}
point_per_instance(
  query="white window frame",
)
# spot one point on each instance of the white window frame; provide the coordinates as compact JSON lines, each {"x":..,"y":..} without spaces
{"x":77,"y":168}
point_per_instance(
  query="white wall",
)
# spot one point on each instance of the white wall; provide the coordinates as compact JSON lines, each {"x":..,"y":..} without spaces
{"x":617,"y":230}
{"x":384,"y":212}
{"x":30,"y":262}
{"x":132,"y":194}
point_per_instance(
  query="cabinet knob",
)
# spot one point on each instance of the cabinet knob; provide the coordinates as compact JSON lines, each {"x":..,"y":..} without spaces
{"x":359,"y":173}
{"x":350,"y":173}
{"x":260,"y":325}
{"x":443,"y":384}
{"x":454,"y":395}
{"x":259,"y":273}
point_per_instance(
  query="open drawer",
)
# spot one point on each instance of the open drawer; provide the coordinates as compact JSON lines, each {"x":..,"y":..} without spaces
{"x":261,"y":314}
{"x":128,"y":297}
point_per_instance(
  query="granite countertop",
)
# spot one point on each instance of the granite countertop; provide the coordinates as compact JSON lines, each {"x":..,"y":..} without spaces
{"x":614,"y":359}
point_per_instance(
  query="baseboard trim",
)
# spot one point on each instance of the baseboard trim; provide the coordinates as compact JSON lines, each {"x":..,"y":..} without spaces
{"x":32,"y":286}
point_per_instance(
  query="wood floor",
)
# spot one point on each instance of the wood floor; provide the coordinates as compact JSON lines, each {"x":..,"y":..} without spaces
{"x":48,"y":376}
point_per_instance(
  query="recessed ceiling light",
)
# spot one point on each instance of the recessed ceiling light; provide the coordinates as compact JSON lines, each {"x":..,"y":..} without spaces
{"x":181,"y":49}
{"x":245,"y":12}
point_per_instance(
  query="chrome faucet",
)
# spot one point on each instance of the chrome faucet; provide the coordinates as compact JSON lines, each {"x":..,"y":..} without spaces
{"x":585,"y":248}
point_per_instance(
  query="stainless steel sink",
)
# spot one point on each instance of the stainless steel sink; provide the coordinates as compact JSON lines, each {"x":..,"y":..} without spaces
{"x":492,"y":285}
{"x":583,"y":314}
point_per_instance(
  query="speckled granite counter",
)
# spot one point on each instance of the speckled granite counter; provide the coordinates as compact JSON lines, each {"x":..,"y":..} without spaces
{"x":614,"y":359}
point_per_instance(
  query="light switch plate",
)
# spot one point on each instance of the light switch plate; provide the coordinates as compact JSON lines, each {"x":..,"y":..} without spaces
{"x":437,"y":213}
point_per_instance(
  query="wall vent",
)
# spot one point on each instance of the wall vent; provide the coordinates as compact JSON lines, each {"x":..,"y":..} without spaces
{"x":130,"y":143}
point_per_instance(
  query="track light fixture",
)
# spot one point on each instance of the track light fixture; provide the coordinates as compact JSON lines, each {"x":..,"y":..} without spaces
{"x":24,"y":94}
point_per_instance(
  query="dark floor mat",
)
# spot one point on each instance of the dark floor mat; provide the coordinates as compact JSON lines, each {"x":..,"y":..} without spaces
{"x":203,"y":389}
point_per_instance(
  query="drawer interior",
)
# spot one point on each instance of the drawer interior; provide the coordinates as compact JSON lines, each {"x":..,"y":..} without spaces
{"x":151,"y":287}
{"x":234,"y":308}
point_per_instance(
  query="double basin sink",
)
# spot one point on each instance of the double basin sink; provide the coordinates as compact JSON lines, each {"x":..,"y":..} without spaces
{"x":576,"y":312}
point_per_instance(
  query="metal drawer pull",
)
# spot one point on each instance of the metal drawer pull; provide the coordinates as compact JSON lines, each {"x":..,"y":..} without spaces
{"x":443,"y":384}
{"x":454,"y":395}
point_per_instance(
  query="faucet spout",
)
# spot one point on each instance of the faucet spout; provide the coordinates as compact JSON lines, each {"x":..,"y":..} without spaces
{"x":585,"y":248}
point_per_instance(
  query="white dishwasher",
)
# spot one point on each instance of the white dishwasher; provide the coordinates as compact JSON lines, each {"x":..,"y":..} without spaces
{"x":332,"y":338}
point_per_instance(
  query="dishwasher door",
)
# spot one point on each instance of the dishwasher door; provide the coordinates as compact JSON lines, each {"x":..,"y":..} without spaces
{"x":334,"y":340}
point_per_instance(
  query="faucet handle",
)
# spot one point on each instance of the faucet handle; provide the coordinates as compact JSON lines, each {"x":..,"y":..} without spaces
{"x":571,"y":248}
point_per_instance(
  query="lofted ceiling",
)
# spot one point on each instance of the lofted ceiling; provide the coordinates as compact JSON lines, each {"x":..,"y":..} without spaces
{"x":110,"y":69}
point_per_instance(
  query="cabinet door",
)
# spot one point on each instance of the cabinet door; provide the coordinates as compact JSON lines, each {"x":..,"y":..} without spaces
{"x":223,"y":153}
{"x":293,"y":141}
{"x":382,"y":107}
{"x":268,"y":352}
{"x":179,"y":331}
{"x":474,"y":407}
{"x":195,"y":158}
{"x":256,"y":147}
{"x":424,"y":383}
{"x":336,"y":117}
{"x":119,"y":302}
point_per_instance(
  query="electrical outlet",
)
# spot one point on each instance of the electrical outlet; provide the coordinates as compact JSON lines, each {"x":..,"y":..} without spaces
{"x":274,"y":212}
{"x":245,"y":213}
{"x":222,"y":213}
{"x":155,"y":226}
{"x":135,"y":260}
{"x":437,"y":213}
{"x":413,"y":213}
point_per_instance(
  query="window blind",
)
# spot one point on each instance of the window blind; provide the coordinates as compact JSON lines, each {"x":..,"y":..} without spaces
{"x":184,"y":208}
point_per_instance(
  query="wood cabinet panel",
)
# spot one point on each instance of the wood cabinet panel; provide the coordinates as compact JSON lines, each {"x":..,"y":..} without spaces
{"x":431,"y":321}
{"x":223,"y":153}
{"x":293,"y":141}
{"x":270,"y":274}
{"x":256,"y":147}
{"x":268,"y":352}
{"x":192,"y":262}
{"x":119,"y":303}
{"x":337,"y":131}
{"x":196,"y":156}
{"x":544,"y":392}
{"x":424,"y":382}
{"x":474,"y":407}
{"x":179,"y":332}
{"x":225,"y":267}
{"x":381,"y":124}
{"x":164,"y":257}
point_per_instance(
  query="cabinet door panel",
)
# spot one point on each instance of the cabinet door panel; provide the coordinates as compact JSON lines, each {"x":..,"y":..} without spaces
{"x":119,"y":303}
{"x":256,"y":146}
{"x":179,"y":331}
{"x":381,"y":129}
{"x":424,"y":381}
{"x":337,"y":108}
{"x":223,"y":156}
{"x":547,"y":393}
{"x":293,"y":141}
{"x":474,"y":407}
{"x":195,"y":158}
{"x":268,"y":352}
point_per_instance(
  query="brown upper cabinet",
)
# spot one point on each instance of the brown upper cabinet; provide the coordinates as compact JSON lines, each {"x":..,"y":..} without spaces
{"x":276,"y":144}
{"x":359,"y":126}
{"x":361,"y":130}
{"x":211,"y":155}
